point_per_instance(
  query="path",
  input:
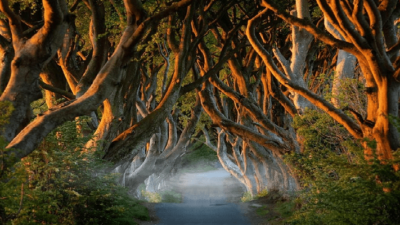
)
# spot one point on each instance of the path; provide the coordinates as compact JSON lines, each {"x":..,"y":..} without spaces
{"x":204,"y":201}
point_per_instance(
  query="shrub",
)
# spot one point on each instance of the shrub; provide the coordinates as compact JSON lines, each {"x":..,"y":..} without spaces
{"x":153,"y":197}
{"x":340,"y":186}
{"x":61,"y":182}
{"x":247,"y":196}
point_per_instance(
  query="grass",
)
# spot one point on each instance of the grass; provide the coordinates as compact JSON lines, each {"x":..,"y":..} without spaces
{"x":262,"y":211}
{"x":169,"y":196}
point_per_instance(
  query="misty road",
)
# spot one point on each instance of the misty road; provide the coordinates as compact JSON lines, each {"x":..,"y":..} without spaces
{"x":204,"y":201}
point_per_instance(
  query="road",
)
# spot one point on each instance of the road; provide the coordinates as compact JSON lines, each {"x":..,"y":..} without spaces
{"x":204,"y":201}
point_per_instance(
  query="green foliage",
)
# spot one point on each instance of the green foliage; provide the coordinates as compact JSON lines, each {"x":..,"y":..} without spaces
{"x":262,"y":211}
{"x":6,"y":109}
{"x":340,"y":186}
{"x":316,"y":13}
{"x":351,"y":93}
{"x":199,"y":158}
{"x":171,"y":197}
{"x":153,"y":197}
{"x":285,"y":208}
{"x":185,"y":104}
{"x":168,"y":196}
{"x":31,"y":5}
{"x":62,"y":182}
{"x":201,"y":153}
{"x":262,"y":193}
{"x":247,"y":196}
{"x":39,"y":106}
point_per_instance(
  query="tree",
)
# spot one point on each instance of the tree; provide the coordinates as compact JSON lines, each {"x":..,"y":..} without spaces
{"x":115,"y":83}
{"x":104,"y":85}
{"x":368,"y":44}
{"x":256,"y":140}
{"x":254,"y":66}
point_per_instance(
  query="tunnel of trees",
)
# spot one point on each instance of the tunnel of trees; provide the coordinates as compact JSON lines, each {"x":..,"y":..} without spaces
{"x":276,"y":88}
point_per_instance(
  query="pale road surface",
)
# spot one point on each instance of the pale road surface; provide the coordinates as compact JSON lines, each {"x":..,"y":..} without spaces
{"x":204,"y":201}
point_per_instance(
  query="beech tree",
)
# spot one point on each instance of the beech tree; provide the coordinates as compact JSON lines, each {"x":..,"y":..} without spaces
{"x":252,"y":65}
{"x":125,"y":88}
{"x":43,"y":46}
{"x":368,"y":31}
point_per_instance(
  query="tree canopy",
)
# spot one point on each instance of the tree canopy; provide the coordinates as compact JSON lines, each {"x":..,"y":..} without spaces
{"x":242,"y":76}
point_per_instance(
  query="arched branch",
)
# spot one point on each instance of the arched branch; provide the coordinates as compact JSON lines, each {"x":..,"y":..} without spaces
{"x":316,"y":100}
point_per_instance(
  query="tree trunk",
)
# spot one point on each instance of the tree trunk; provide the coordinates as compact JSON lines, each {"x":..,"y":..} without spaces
{"x":30,"y":57}
{"x":345,"y":67}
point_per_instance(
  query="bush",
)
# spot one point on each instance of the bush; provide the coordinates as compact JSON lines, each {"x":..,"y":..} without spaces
{"x":248,"y":197}
{"x":340,"y":186}
{"x":151,"y":196}
{"x":61,"y":182}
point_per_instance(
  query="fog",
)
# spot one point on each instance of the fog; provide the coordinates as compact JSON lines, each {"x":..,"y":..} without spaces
{"x":207,"y":199}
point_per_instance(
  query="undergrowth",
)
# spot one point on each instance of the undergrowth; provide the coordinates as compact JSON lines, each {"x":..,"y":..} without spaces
{"x":339,"y":185}
{"x":247,"y":196}
{"x":61,"y":182}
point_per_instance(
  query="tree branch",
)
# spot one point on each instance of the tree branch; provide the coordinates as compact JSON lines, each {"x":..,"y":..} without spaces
{"x":311,"y":28}
{"x":66,"y":94}
{"x":14,"y":20}
{"x":316,"y":100}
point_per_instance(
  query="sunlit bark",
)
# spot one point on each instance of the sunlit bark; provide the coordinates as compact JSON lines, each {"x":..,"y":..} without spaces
{"x":104,"y":85}
{"x":136,"y":136}
{"x":31,"y":56}
{"x":367,"y":44}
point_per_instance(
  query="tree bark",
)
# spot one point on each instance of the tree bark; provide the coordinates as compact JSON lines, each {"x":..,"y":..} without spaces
{"x":30,"y":57}
{"x":345,"y":66}
{"x":104,"y":85}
